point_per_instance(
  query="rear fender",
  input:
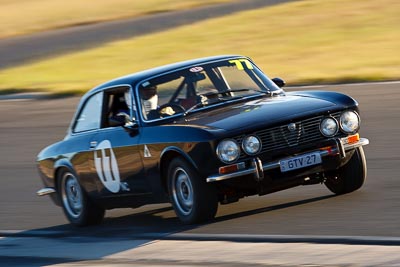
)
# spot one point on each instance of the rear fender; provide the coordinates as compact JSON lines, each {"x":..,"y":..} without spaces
{"x":59,"y":166}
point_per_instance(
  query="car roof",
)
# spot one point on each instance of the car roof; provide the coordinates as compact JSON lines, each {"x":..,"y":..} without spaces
{"x":142,"y":75}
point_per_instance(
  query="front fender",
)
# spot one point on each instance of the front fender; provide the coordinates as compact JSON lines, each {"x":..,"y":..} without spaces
{"x":335,"y":97}
{"x":166,"y":156}
{"x":169,"y":152}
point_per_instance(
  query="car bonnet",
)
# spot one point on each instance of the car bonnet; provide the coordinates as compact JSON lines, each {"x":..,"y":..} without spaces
{"x":260,"y":112}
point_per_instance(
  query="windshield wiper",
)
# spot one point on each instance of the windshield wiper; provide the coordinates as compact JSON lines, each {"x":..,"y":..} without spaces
{"x":200,"y":104}
{"x":270,"y":93}
{"x":219,"y":100}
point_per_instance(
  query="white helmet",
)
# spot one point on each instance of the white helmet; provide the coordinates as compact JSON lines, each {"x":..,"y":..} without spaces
{"x":150,"y":104}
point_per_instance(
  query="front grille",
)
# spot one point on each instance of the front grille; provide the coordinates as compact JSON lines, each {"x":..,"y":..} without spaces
{"x":279,"y":138}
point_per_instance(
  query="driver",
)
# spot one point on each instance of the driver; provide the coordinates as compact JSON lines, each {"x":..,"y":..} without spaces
{"x":149,"y":99}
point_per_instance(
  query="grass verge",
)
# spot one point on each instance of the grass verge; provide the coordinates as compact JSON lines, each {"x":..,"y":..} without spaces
{"x":303,"y":42}
{"x":27,"y":16}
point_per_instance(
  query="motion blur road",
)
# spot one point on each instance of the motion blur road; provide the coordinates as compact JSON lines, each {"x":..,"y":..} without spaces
{"x":28,"y":125}
{"x":35,"y":232}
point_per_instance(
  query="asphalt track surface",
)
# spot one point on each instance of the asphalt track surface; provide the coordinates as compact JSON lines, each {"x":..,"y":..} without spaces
{"x":27,"y":48}
{"x":365,"y":221}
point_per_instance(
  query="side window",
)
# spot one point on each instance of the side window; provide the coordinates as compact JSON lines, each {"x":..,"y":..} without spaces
{"x":117,"y":102}
{"x":90,"y":116}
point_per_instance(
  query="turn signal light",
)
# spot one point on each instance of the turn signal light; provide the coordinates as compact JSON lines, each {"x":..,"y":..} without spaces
{"x":353,"y":138}
{"x":231,"y":168}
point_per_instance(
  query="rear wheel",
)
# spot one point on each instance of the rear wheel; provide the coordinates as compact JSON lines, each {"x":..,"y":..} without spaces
{"x":194,"y":200}
{"x":349,"y":177}
{"x":77,"y":207}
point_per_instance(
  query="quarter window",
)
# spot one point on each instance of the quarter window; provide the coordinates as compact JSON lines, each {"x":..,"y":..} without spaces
{"x":90,"y":115}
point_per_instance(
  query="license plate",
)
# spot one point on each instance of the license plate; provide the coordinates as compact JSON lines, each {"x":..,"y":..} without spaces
{"x":300,"y":162}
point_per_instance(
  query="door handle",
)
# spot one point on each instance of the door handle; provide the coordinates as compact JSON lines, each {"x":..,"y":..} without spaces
{"x":93,"y":145}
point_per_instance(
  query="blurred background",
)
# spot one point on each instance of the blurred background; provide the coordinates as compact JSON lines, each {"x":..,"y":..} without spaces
{"x":53,"y":51}
{"x":304,"y":41}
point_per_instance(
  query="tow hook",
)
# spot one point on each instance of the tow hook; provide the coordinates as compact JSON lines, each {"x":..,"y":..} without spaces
{"x":257,"y":165}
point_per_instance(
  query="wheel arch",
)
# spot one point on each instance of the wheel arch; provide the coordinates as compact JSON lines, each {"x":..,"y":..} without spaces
{"x":59,"y":166}
{"x":90,"y":213}
{"x":166,"y":156}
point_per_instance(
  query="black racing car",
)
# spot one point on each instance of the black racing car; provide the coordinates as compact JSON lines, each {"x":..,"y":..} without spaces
{"x":198,"y":133}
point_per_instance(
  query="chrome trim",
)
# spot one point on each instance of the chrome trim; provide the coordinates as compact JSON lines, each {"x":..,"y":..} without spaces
{"x":340,"y":147}
{"x":257,"y":165}
{"x":45,"y":191}
{"x":276,"y":164}
{"x":270,"y":166}
{"x":243,"y":146}
{"x":217,"y":151}
{"x":217,"y":177}
{"x":292,"y":127}
{"x":340,"y":121}
{"x":92,"y":92}
{"x":337,"y":126}
{"x":93,"y":145}
{"x":361,"y":142}
{"x":276,"y":138}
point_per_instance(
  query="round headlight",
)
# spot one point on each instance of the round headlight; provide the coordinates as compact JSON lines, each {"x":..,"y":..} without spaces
{"x":328,"y":127}
{"x":251,"y":144}
{"x":349,"y":122}
{"x":228,"y":151}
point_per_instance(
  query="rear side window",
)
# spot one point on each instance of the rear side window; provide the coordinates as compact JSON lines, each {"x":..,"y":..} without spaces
{"x":90,"y":115}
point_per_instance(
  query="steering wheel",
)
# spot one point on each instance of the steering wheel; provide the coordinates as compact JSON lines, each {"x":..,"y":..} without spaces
{"x":164,"y":111}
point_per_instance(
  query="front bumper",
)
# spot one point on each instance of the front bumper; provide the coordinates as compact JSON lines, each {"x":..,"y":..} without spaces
{"x":258,"y":168}
{"x":45,"y":191}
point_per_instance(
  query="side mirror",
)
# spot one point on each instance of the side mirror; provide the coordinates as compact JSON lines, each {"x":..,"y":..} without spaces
{"x":131,"y":125}
{"x":122,"y":119}
{"x":279,"y":82}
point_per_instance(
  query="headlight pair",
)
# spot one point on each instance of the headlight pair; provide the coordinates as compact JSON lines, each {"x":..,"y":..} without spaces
{"x":349,"y":123}
{"x":228,"y":150}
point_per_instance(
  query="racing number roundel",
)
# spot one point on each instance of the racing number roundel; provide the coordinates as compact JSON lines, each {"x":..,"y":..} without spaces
{"x":106,"y":166}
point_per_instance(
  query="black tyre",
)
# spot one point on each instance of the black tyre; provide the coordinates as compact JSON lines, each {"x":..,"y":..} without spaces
{"x":194,"y":200}
{"x":77,"y":207}
{"x":349,"y":177}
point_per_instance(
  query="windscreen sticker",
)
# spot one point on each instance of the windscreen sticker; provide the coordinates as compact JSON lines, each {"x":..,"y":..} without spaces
{"x":145,"y":84}
{"x":241,"y":63}
{"x":196,"y":69}
{"x":107,"y":167}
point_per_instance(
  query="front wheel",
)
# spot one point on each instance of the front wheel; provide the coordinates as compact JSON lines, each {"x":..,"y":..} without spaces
{"x":77,"y":207}
{"x":194,"y":200}
{"x":349,"y":177}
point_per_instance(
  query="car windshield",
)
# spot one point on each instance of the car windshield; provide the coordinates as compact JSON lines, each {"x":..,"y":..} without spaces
{"x":202,"y":86}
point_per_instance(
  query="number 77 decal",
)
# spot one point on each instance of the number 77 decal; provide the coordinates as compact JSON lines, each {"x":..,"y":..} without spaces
{"x":107,"y":166}
{"x":240,"y":63}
